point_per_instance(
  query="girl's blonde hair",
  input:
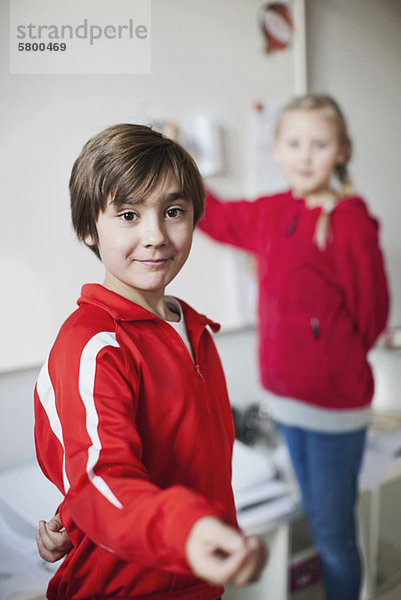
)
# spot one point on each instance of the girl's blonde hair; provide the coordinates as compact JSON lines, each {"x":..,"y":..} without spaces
{"x":330,"y":110}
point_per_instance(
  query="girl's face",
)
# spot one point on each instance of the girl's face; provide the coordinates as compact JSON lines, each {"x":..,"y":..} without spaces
{"x":307,"y":149}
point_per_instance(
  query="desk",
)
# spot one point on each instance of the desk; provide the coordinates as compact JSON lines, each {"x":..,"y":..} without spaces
{"x":267,"y":515}
{"x":274,"y":577}
{"x":277,"y":534}
{"x":369,"y":516}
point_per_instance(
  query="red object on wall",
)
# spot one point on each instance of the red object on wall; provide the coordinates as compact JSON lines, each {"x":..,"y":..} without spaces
{"x":277,"y":25}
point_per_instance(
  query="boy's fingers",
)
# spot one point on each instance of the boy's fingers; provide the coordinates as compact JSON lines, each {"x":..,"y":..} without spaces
{"x":46,"y":540}
{"x":49,"y":556}
{"x":54,"y":525}
{"x":251,"y":570}
{"x":222,"y":567}
{"x":221,"y":554}
{"x":259,"y":549}
{"x":231,"y":558}
{"x":55,"y":541}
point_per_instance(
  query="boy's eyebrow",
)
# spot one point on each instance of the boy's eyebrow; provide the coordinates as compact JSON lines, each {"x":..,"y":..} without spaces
{"x":169,"y":197}
{"x":176,"y":195}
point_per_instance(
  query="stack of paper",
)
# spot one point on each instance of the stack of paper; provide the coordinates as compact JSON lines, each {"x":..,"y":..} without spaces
{"x":382,"y":448}
{"x":260,"y":497}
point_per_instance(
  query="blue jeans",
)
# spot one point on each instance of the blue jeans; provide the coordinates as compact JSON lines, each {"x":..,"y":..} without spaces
{"x":327,"y":467}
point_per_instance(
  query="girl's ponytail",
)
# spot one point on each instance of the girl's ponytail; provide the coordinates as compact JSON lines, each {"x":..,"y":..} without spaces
{"x":323,"y":231}
{"x":347,"y":188}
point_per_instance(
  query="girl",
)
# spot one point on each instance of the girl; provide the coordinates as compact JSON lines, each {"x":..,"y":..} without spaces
{"x":323,"y":301}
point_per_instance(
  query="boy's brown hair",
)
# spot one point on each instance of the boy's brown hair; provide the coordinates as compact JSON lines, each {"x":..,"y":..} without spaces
{"x":127,"y":161}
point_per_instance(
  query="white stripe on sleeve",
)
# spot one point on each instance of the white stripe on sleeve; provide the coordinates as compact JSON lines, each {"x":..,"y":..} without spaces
{"x":45,"y":390}
{"x":87,"y":374}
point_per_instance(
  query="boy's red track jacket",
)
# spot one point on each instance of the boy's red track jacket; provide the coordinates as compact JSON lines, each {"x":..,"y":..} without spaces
{"x":138,"y":437}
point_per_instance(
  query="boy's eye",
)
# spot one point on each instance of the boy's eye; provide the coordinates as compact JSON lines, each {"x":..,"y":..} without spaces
{"x":128,"y":215}
{"x":174,"y":212}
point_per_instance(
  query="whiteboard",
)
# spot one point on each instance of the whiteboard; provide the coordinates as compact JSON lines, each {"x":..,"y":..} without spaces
{"x":207,"y":57}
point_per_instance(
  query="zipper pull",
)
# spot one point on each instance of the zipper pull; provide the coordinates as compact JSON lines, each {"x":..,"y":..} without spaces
{"x":315,"y":326}
{"x":197,"y":367}
{"x":292,"y":226}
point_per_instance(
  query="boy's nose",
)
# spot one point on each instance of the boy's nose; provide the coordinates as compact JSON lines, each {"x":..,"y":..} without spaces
{"x":153,"y":233}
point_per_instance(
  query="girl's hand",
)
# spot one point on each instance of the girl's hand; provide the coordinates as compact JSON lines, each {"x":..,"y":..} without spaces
{"x":222,"y":555}
{"x":52,"y":540}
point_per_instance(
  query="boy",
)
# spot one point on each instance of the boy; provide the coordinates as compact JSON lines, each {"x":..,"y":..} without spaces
{"x":133,"y":422}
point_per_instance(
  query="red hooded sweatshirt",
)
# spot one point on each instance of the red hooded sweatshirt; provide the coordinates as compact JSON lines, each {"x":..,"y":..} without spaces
{"x":319,"y":311}
{"x":138,"y":437}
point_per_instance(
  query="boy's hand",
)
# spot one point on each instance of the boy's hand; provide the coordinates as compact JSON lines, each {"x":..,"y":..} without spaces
{"x":52,"y":540}
{"x":222,"y":555}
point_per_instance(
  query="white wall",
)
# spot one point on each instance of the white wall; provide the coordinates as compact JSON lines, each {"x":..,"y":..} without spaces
{"x":206,"y":57}
{"x":16,"y":423}
{"x":354,"y":52}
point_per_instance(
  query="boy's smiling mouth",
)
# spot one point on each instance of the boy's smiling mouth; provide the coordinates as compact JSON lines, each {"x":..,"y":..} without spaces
{"x":153,"y":262}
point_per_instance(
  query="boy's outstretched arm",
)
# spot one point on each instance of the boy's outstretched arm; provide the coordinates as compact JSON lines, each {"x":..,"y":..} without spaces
{"x":52,"y":540}
{"x":216,"y":552}
{"x":222,"y":555}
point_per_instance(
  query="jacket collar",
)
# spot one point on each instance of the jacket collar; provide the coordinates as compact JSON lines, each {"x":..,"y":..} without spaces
{"x":122,"y":309}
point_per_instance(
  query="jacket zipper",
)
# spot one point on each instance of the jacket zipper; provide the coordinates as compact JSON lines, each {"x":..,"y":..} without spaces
{"x":192,"y":359}
{"x":315,"y":326}
{"x":198,"y":370}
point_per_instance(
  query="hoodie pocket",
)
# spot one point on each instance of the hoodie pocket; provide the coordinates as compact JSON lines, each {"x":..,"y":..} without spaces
{"x":292,"y":356}
{"x":319,"y":360}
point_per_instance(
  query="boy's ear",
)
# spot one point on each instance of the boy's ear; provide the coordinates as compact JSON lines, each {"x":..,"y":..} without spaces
{"x":89,"y":239}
